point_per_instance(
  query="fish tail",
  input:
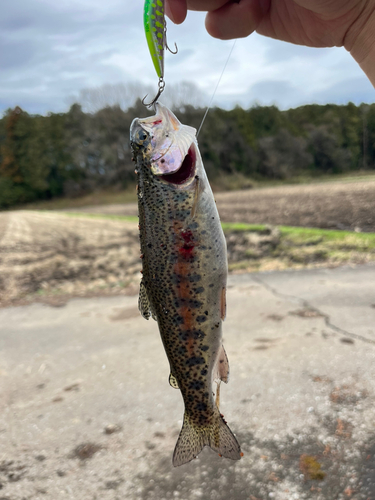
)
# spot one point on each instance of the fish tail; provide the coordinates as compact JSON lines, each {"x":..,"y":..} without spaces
{"x":193,"y":438}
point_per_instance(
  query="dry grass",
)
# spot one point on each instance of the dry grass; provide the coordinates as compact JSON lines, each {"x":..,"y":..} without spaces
{"x":51,"y":256}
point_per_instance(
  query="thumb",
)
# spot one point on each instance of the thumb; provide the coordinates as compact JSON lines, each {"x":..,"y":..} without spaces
{"x":236,"y":19}
{"x":176,"y":10}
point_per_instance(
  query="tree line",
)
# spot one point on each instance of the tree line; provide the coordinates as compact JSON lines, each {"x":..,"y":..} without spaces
{"x":74,"y":153}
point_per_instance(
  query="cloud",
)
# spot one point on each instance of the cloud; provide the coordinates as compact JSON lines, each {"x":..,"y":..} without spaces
{"x":282,"y":93}
{"x":277,"y":51}
{"x":356,"y":90}
{"x":51,"y":50}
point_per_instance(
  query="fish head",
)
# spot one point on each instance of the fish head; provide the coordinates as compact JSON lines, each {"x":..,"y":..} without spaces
{"x":167,"y":144}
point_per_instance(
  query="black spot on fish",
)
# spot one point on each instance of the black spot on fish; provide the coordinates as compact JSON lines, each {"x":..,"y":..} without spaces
{"x":201,"y":406}
{"x":196,"y":385}
{"x":206,"y":313}
{"x":195,"y":360}
{"x":199,"y":289}
{"x":194,"y":278}
{"x":201,"y":319}
{"x":194,"y":304}
{"x":204,"y":372}
{"x":181,"y":350}
{"x":184,"y":335}
{"x":176,"y":279}
{"x":178,"y":302}
{"x":178,"y":320}
{"x":204,"y":348}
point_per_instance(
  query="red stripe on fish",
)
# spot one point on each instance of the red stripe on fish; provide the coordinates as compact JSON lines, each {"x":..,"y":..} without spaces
{"x":185,"y":247}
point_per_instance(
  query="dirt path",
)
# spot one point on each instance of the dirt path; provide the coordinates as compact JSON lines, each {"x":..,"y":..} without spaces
{"x":87,"y":413}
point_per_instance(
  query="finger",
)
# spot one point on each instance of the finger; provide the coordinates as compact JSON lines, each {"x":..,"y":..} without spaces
{"x":176,"y":10}
{"x":205,"y":5}
{"x":236,"y":19}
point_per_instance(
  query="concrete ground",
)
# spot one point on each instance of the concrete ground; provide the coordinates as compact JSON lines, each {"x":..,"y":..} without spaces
{"x":86,"y":411}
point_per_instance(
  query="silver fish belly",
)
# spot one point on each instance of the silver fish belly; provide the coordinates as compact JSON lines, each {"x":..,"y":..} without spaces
{"x":184,"y":275}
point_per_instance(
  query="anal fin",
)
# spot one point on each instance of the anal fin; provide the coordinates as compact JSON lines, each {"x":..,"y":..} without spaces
{"x":221,"y":370}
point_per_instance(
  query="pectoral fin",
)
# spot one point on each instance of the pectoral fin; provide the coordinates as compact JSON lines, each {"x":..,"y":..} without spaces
{"x":221,"y":371}
{"x":173,"y":381}
{"x":144,"y":304}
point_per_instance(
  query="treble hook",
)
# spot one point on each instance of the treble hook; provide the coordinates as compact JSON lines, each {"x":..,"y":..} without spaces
{"x":160,"y":91}
{"x":171,"y":51}
{"x":166,"y":43}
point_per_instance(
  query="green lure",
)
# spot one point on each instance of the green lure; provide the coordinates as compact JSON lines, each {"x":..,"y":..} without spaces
{"x":154,"y":23}
{"x":155,"y":29}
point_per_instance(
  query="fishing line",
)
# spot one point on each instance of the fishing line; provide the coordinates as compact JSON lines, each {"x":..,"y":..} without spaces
{"x":217,"y":85}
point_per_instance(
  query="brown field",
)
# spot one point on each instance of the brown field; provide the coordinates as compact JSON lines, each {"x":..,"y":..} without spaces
{"x":49,"y":256}
{"x":333,"y":205}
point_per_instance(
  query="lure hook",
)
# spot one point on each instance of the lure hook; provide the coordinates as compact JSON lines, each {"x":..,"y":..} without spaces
{"x":165,"y":38}
{"x":160,"y":91}
{"x":171,"y":51}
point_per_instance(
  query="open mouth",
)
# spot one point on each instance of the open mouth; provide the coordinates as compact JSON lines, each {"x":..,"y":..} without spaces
{"x":185,"y":172}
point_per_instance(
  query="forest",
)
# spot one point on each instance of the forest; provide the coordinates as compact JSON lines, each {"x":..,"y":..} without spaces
{"x":75,"y":153}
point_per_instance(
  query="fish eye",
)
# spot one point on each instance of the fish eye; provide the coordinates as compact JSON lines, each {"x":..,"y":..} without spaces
{"x":138,"y":134}
{"x":141,"y":136}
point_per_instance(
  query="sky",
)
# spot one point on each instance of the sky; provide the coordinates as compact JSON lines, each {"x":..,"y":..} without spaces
{"x":54,"y":53}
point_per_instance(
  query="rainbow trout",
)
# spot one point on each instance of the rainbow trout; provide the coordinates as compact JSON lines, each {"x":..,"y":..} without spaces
{"x":184,"y":275}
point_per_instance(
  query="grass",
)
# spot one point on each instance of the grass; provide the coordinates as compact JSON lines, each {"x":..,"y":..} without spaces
{"x":298,"y":247}
{"x":298,"y":236}
{"x":251,"y":248}
{"x":83,"y":215}
{"x":294,"y":247}
{"x":311,"y":236}
{"x":105,"y":197}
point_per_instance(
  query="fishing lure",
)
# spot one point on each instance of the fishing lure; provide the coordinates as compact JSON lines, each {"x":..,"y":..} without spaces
{"x":155,"y":30}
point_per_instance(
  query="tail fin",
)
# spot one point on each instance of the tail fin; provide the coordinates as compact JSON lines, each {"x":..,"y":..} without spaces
{"x":194,"y":438}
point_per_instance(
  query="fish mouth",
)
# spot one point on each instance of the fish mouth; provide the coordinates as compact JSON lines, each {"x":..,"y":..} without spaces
{"x":186,"y":171}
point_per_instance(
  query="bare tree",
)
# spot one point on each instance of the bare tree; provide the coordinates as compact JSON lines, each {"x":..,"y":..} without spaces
{"x":176,"y":96}
{"x":179,"y":95}
{"x":108,"y":95}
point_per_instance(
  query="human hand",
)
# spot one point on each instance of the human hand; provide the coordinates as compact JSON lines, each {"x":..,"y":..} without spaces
{"x":315,"y":23}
